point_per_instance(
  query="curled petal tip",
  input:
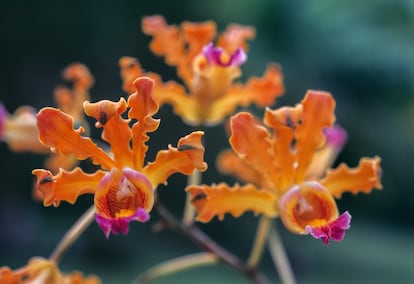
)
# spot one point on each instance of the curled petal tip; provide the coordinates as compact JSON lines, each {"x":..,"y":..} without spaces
{"x":334,"y":230}
{"x":336,"y":136}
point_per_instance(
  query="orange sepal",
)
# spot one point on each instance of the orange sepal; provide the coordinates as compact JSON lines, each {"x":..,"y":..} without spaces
{"x":262,"y":91}
{"x":230,"y":163}
{"x":363,"y":178}
{"x":56,"y":131}
{"x":188,"y":156}
{"x":142,"y":108}
{"x":116,"y":130}
{"x":65,"y":186}
{"x":251,"y":142}
{"x":235,"y":36}
{"x":318,"y":113}
{"x":217,"y":200}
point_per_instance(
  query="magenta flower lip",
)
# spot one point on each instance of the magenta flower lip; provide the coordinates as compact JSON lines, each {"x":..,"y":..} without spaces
{"x":213,"y":56}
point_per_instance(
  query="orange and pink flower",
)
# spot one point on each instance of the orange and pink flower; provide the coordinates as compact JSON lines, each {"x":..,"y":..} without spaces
{"x":124,"y":187}
{"x":285,"y":164}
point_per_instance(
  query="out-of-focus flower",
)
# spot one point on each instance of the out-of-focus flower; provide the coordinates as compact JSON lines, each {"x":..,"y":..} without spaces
{"x":19,"y":130}
{"x":286,"y":170}
{"x":124,"y":187}
{"x":43,"y":271}
{"x":207,"y":70}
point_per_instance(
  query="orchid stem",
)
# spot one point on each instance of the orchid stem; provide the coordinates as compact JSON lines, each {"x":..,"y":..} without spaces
{"x":189,"y":210}
{"x":260,"y":241}
{"x":176,"y":265}
{"x":73,"y":234}
{"x":280,"y":259}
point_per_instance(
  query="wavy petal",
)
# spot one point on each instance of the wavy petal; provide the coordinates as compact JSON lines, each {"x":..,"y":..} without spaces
{"x":217,"y":200}
{"x":235,"y":36}
{"x":142,"y":108}
{"x":130,"y":69}
{"x":188,"y":156}
{"x":65,"y":186}
{"x":230,"y":163}
{"x":318,"y":113}
{"x":262,"y":91}
{"x":251,"y":142}
{"x":363,"y":178}
{"x":116,"y":130}
{"x":56,"y":131}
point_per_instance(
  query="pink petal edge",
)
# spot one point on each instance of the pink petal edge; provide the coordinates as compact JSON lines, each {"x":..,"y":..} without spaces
{"x":120,"y":225}
{"x":334,"y":230}
{"x":213,"y":55}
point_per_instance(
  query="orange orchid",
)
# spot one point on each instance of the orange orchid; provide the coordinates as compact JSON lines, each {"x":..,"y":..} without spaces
{"x":209,"y":93}
{"x":40,"y":270}
{"x":284,"y":173}
{"x":124,"y":187}
{"x":19,"y":130}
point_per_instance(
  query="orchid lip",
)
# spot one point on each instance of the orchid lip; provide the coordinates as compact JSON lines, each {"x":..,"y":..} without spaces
{"x":213,"y":55}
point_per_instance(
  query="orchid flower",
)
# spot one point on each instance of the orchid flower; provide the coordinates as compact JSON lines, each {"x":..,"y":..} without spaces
{"x":40,"y":270}
{"x":207,"y":70}
{"x":124,"y":187}
{"x":286,"y":170}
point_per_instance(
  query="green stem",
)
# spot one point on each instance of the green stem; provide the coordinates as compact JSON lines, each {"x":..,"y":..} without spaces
{"x":280,"y":259}
{"x":262,"y":234}
{"x":73,"y":234}
{"x":176,"y":265}
{"x":189,"y":210}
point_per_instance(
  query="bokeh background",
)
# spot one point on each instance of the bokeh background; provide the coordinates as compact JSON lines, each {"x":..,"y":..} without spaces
{"x":360,"y":51}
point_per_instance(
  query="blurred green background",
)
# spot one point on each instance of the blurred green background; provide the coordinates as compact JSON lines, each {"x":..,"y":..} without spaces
{"x":360,"y":51}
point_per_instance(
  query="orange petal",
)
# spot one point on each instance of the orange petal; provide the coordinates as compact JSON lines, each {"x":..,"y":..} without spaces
{"x":56,"y":131}
{"x":230,"y":163}
{"x":142,"y":108}
{"x":130,"y":70}
{"x":116,"y":129}
{"x":363,"y":178}
{"x":235,"y":36}
{"x":251,"y":142}
{"x":283,"y":121}
{"x":217,"y":200}
{"x":188,"y":156}
{"x":318,"y":113}
{"x":65,"y":186}
{"x":261,"y":91}
{"x":308,"y":204}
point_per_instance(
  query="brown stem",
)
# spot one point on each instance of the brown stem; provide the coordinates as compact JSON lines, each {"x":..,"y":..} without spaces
{"x":200,"y":238}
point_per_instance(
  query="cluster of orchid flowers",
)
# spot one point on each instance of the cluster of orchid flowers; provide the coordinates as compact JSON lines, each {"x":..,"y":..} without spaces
{"x":282,"y":162}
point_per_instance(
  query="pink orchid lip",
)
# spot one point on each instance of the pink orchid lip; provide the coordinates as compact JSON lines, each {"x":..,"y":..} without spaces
{"x":335,"y":136}
{"x":334,"y":230}
{"x":120,"y":224}
{"x":213,"y":55}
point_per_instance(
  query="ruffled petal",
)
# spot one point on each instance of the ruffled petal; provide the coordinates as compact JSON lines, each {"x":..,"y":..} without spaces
{"x":251,"y":142}
{"x":142,"y":108}
{"x":263,"y":91}
{"x":65,"y":186}
{"x":363,"y":178}
{"x":188,"y":156}
{"x":130,"y":69}
{"x":334,"y":230}
{"x":217,"y":200}
{"x":235,"y":36}
{"x":116,"y":130}
{"x":318,"y":113}
{"x":308,"y":204}
{"x":56,"y":131}
{"x":283,"y":121}
{"x":230,"y":163}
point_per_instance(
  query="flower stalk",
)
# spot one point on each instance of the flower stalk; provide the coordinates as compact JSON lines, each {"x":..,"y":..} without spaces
{"x":259,"y":244}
